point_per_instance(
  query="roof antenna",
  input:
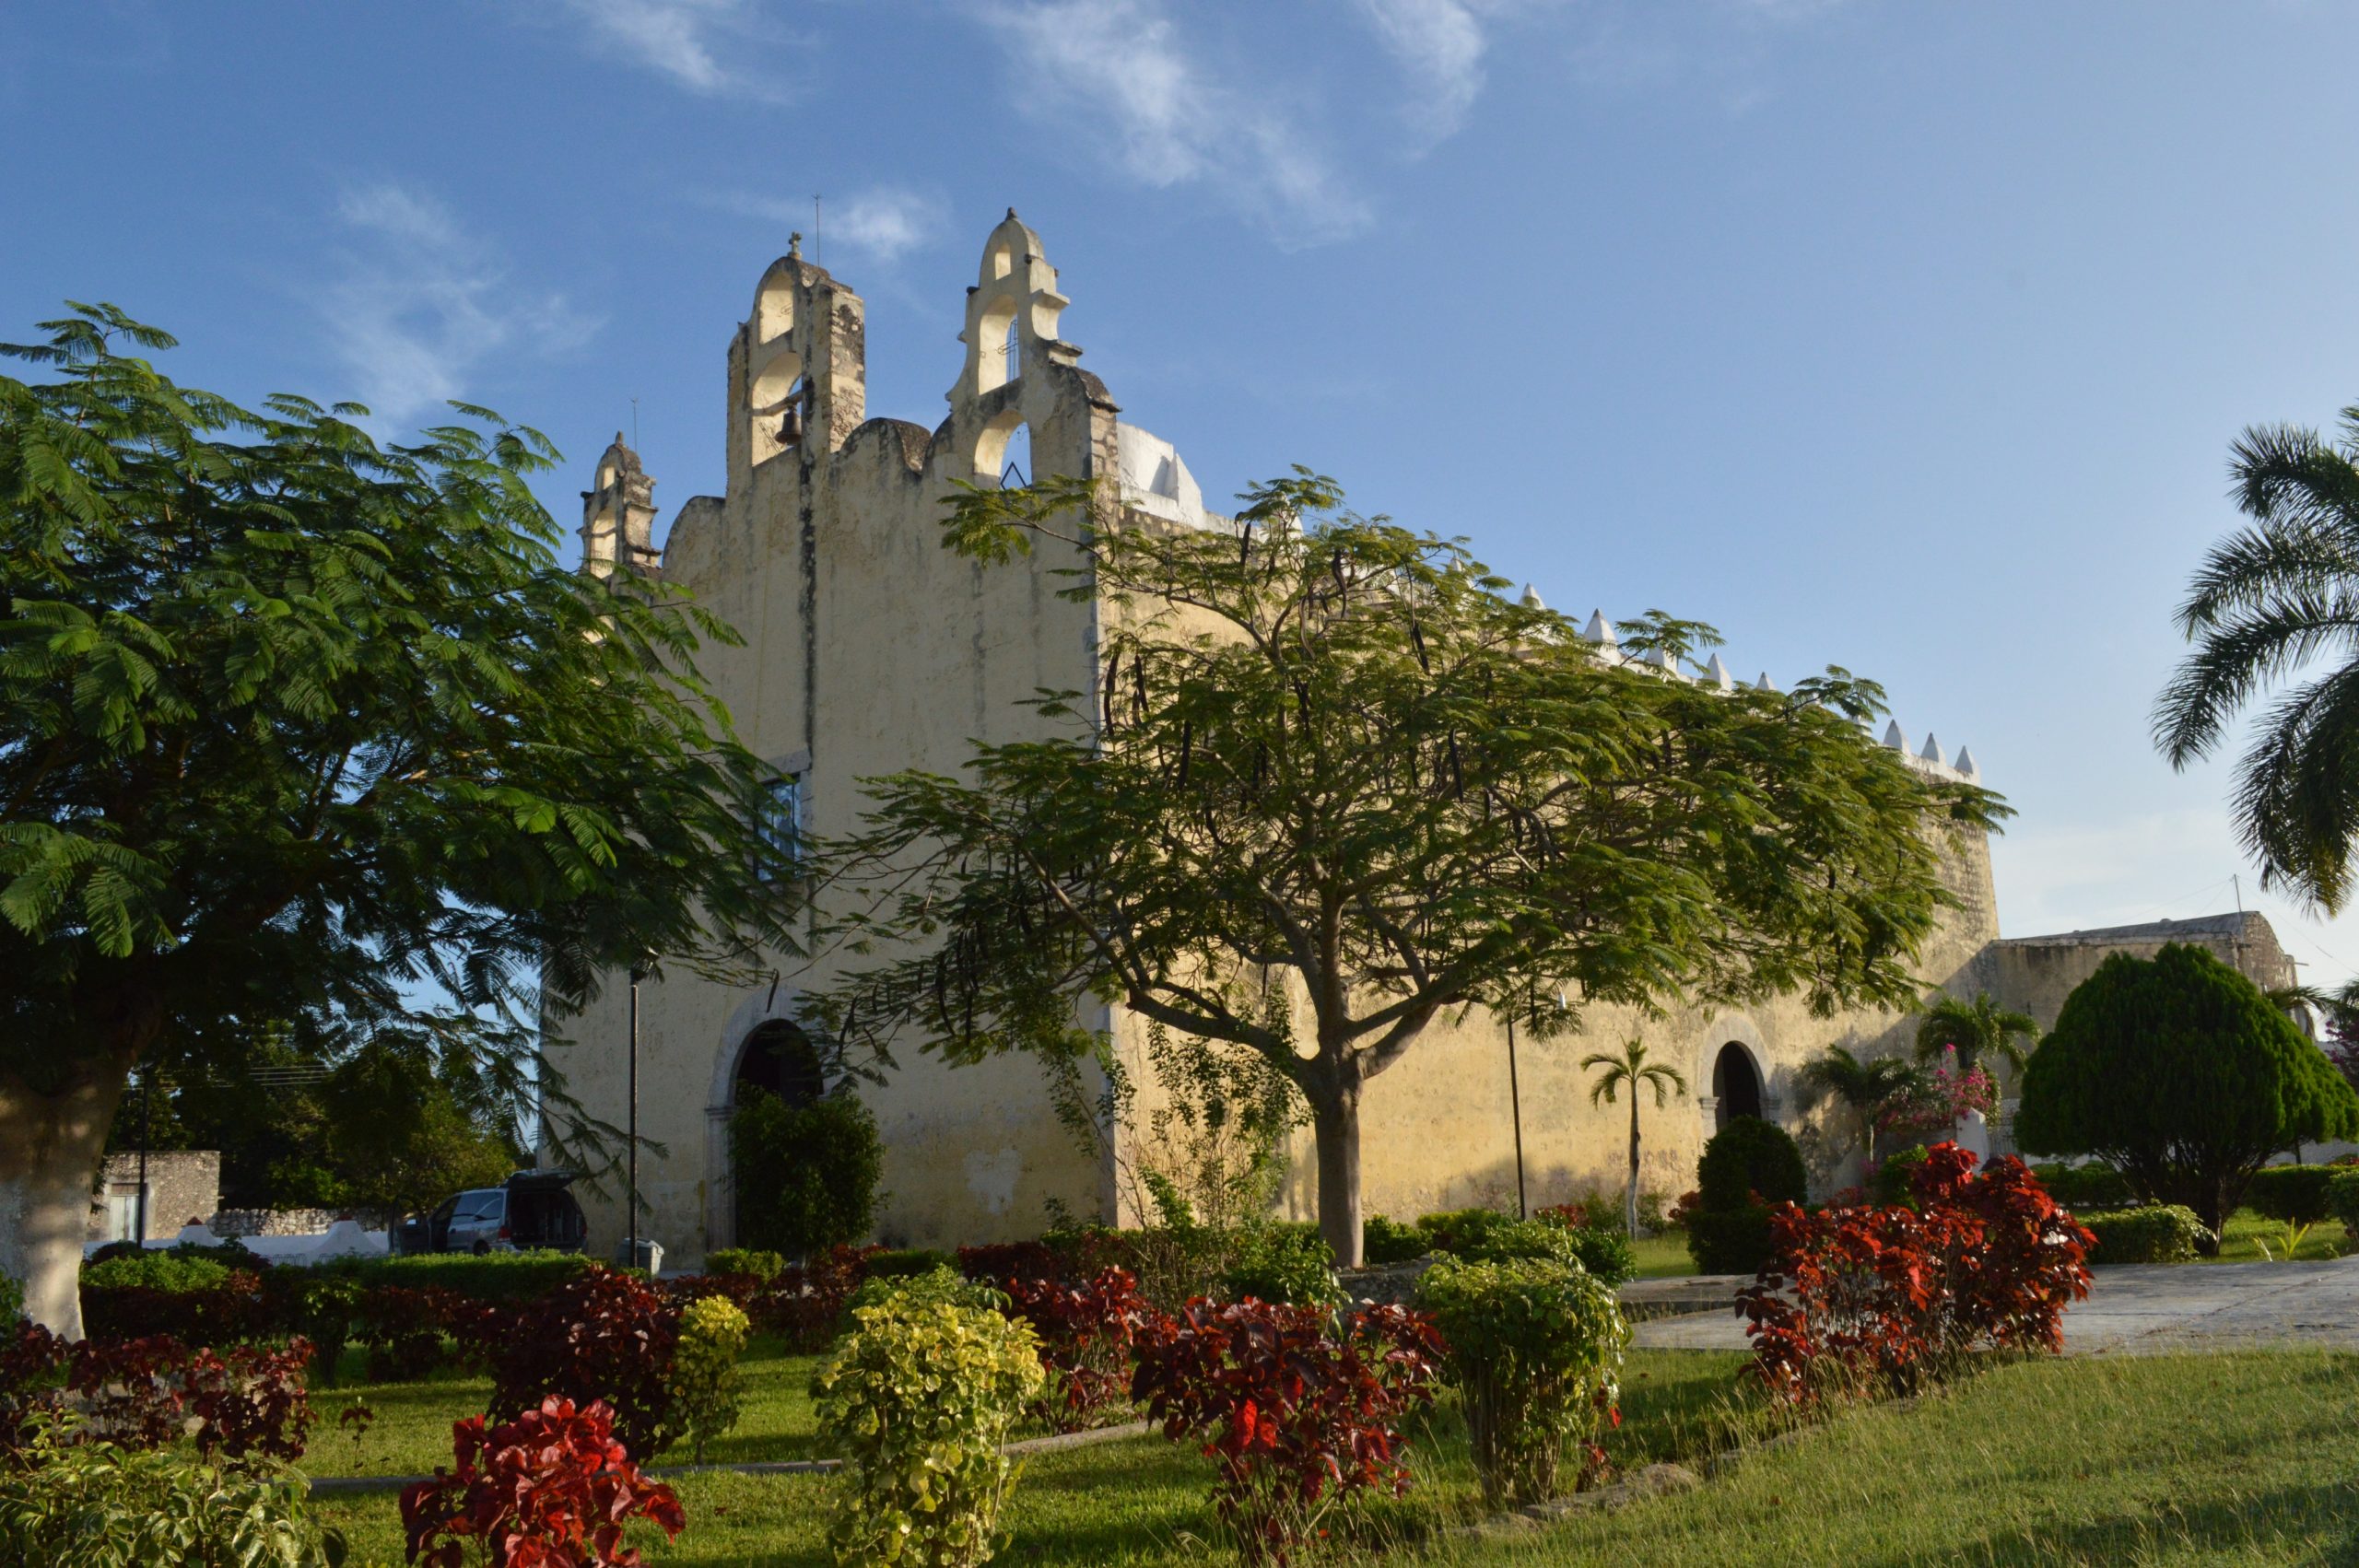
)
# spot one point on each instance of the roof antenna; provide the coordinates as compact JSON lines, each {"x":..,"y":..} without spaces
{"x":634,"y":423}
{"x":816,"y":258}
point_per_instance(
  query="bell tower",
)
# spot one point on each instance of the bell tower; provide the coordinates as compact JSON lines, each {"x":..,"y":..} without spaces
{"x":798,"y":368}
{"x":618,"y":517}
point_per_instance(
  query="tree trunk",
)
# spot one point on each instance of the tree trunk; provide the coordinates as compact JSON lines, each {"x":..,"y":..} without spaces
{"x":51,"y":1149}
{"x":1335,"y":1124}
{"x":1630,"y":1203}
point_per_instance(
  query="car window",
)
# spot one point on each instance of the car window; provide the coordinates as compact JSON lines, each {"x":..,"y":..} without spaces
{"x":479,"y":1205}
{"x":445,"y":1210}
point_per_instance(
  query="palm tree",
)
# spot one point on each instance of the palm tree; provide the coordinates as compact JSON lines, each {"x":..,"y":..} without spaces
{"x":1631,"y":1069}
{"x":2265,"y":601}
{"x":1980,"y":1030}
{"x":1862,"y":1086}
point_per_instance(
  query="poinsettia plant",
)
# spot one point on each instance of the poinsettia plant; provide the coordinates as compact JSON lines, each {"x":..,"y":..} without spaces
{"x":1860,"y":1299}
{"x":552,"y":1489}
{"x":1086,"y":1334}
{"x":1303,"y":1416}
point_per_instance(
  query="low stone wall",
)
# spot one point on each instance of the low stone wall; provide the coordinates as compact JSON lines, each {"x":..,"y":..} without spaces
{"x":230,"y":1222}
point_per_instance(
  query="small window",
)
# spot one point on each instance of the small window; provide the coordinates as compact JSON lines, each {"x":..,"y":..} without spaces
{"x":780,"y":825}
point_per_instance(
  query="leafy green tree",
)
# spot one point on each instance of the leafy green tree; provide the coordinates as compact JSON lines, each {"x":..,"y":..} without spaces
{"x":1981,"y":1032}
{"x":1332,"y":773}
{"x":296,"y":728}
{"x":1630,"y":1070}
{"x":2179,"y":1073}
{"x":2271,"y":597}
{"x":1863,"y":1086}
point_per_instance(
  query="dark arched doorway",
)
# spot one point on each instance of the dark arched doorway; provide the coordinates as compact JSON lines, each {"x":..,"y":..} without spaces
{"x":1735,"y":1085}
{"x":778,"y":1060}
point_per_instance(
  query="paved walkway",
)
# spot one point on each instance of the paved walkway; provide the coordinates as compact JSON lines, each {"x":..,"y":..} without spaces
{"x":2147,"y":1308}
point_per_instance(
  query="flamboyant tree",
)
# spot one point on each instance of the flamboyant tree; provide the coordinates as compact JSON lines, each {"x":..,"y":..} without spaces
{"x":1331,"y":783}
{"x":298,"y":730}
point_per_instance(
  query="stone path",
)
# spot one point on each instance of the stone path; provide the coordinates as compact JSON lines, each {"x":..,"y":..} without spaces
{"x":2137,"y":1309}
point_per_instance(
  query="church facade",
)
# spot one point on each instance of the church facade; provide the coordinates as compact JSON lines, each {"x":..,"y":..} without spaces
{"x":869,"y":649}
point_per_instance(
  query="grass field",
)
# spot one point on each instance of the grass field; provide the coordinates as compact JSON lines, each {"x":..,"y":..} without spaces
{"x":2243,"y":1459}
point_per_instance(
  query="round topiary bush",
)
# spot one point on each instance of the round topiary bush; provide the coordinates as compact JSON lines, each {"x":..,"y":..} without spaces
{"x":2180,"y":1074}
{"x":1749,"y":1168}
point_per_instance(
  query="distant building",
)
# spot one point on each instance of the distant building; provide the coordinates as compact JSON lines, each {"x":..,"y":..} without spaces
{"x":183,"y":1184}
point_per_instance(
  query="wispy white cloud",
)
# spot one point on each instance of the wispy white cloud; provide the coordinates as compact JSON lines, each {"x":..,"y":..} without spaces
{"x":419,"y":304}
{"x":885,"y":222}
{"x":1172,"y":123}
{"x":714,"y":47}
{"x":1440,"y":46}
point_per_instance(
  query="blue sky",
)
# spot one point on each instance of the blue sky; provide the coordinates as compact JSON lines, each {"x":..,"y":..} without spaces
{"x":1907,"y":337}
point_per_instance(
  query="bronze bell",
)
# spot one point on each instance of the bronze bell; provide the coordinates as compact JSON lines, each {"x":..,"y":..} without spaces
{"x":789,"y":429}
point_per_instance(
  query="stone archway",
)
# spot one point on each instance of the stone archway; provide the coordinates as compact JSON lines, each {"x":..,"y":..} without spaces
{"x":1736,"y":1086}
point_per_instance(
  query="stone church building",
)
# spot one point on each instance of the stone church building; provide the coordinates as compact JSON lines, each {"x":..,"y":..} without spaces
{"x":869,"y":649}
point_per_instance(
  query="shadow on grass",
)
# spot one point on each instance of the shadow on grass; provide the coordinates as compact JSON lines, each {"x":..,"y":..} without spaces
{"x":2315,"y":1524}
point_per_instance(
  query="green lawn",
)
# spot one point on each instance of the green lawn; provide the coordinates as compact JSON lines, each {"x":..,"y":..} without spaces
{"x":1663,"y":1257}
{"x":2242,"y":1459}
{"x":2248,"y":1238}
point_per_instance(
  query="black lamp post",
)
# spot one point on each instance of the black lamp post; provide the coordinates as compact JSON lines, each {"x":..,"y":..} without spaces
{"x":631,"y":1255}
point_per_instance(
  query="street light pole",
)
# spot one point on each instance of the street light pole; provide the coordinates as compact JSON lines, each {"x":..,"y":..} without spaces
{"x":146,"y":1103}
{"x":631,"y":1256}
{"x":1515,"y":1108}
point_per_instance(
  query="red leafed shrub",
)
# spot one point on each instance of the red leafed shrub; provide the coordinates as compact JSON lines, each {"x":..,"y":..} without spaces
{"x":805,"y":1304}
{"x":478,"y":1329}
{"x":1572,"y":1216}
{"x":1000,"y":1260}
{"x":142,"y":1393}
{"x":551,"y":1489}
{"x":403,"y":1330}
{"x":1688,"y":1202}
{"x":1893,"y":1298}
{"x":601,"y":1335}
{"x":1301,"y":1417}
{"x":130,"y":1389}
{"x":1086,"y":1332}
{"x":30,"y":1358}
{"x":252,"y":1401}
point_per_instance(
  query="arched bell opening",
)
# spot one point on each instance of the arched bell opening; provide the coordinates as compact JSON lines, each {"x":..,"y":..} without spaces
{"x":1003,"y":451}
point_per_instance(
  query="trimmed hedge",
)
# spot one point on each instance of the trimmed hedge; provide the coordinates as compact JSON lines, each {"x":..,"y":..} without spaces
{"x":750,"y":1261}
{"x":1384,"y":1240}
{"x":492,"y":1276}
{"x":156,"y":1272}
{"x":909,"y":1262}
{"x":2295,"y":1194}
{"x":2342,"y":1199}
{"x":2094,"y":1185}
{"x":2160,"y":1233}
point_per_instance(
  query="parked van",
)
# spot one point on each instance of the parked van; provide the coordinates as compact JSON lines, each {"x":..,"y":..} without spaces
{"x":531,"y":1209}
